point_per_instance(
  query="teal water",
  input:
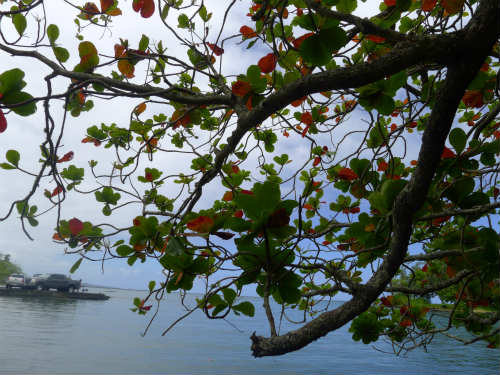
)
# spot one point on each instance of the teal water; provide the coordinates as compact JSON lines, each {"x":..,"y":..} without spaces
{"x":55,"y":336}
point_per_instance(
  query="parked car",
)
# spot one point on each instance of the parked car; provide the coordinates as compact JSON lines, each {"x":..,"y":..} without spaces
{"x":17,"y":280}
{"x":37,"y":277}
{"x":58,"y":281}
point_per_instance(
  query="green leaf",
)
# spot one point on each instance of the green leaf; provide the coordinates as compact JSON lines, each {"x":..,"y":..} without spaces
{"x":19,"y":22}
{"x":124,"y":250}
{"x":61,"y":54}
{"x":459,"y":190}
{"x":384,"y":104}
{"x":458,"y":139}
{"x":204,"y":15}
{"x":33,"y":222}
{"x":16,"y":97}
{"x":107,"y":196}
{"x":347,"y":6}
{"x":13,"y":157}
{"x":11,"y":80}
{"x":174,"y":247}
{"x":256,"y":80}
{"x":183,"y":20}
{"x":76,"y":265}
{"x":6,"y":166}
{"x":131,"y":260}
{"x":144,"y":43}
{"x":317,"y":49}
{"x":360,"y":166}
{"x":229,"y":295}
{"x":151,"y":285}
{"x":245,"y":308}
{"x":106,"y":210}
{"x":88,"y":55}
{"x":73,"y":173}
{"x":52,"y":33}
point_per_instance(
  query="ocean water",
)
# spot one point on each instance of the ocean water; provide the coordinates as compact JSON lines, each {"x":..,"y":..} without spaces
{"x":104,"y":337}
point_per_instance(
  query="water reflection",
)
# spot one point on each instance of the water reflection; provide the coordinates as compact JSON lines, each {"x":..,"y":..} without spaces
{"x":57,"y":335}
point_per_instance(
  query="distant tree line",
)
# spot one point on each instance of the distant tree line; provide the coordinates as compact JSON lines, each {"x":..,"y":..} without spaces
{"x":7,"y":267}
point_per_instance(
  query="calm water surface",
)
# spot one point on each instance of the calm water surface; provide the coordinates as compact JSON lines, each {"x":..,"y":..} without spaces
{"x":56,"y":336}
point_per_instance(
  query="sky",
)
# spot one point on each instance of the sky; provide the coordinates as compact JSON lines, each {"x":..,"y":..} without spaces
{"x":25,"y":134}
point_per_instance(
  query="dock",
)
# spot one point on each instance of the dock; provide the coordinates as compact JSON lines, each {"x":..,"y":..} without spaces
{"x":34,"y":293}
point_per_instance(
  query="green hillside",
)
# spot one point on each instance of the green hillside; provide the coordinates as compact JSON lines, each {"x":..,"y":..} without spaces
{"x":7,"y":267}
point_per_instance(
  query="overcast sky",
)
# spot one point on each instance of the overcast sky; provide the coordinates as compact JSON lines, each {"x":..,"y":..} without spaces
{"x":25,"y":134}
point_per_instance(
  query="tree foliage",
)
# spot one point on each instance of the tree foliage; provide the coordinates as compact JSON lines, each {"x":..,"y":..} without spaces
{"x":7,"y":267}
{"x":348,"y":141}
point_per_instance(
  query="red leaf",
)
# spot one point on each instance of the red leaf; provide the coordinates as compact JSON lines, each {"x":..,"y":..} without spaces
{"x":268,"y":63}
{"x":425,"y":268}
{"x":405,"y":323}
{"x":375,"y":38}
{"x":473,"y":99}
{"x":428,"y":5}
{"x":354,"y":210}
{"x":382,"y":166}
{"x":216,"y":49}
{"x":126,"y":68}
{"x":3,"y":122}
{"x":306,"y":118}
{"x":390,"y":3}
{"x":201,"y":224}
{"x":452,"y":6}
{"x":90,"y":10}
{"x":238,"y":214}
{"x":316,"y":161}
{"x":304,"y":132}
{"x":298,"y":102}
{"x":308,"y":207}
{"x":450,"y":272}
{"x":447,"y":154}
{"x":137,"y":5}
{"x":106,"y":4}
{"x":75,"y":226}
{"x":148,"y":8}
{"x":228,"y":196}
{"x":278,"y":218}
{"x":56,"y":191}
{"x":387,"y":301}
{"x":67,"y":157}
{"x":247,"y":32}
{"x":347,"y":174}
{"x":119,"y":50}
{"x":241,"y":88}
{"x":439,"y":220}
{"x":247,"y":192}
{"x":148,"y":176}
{"x":297,"y":42}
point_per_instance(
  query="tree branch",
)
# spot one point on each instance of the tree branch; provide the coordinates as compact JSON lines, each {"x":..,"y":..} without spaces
{"x":431,"y":288}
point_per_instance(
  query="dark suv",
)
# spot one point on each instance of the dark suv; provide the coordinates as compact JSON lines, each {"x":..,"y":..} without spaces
{"x":58,"y":281}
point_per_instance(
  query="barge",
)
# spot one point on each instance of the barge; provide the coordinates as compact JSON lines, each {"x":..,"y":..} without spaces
{"x":35,"y":293}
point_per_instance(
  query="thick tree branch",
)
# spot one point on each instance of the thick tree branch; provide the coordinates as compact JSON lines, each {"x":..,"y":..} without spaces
{"x":173,"y":93}
{"x":469,"y":211}
{"x":440,"y":254}
{"x":362,"y":24}
{"x":431,"y":288}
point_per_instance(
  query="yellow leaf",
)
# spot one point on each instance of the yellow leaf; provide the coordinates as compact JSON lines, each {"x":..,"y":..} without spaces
{"x":370,"y":227}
